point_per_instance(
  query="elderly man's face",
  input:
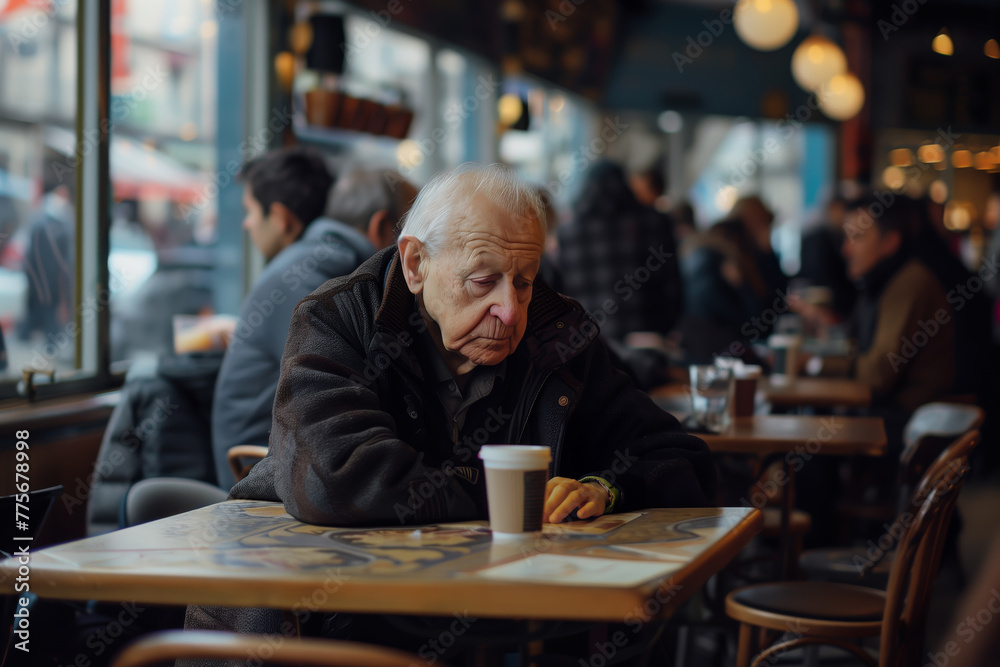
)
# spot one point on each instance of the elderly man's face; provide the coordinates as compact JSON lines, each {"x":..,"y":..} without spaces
{"x":474,"y":295}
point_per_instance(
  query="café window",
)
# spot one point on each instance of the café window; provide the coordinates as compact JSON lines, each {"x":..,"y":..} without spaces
{"x":547,"y":136}
{"x":162,"y":213}
{"x":37,"y":245}
{"x":790,"y":167}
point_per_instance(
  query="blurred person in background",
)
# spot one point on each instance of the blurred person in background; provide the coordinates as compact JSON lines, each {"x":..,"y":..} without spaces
{"x":899,"y":300}
{"x":970,"y":303}
{"x":3,"y":353}
{"x":9,"y":220}
{"x":904,"y":330}
{"x":649,"y":187}
{"x":182,"y":283}
{"x":721,"y":291}
{"x":618,"y":258}
{"x":48,"y":263}
{"x":372,"y":201}
{"x":823,"y":263}
{"x":285,"y":194}
{"x":682,"y":215}
{"x":757,"y":219}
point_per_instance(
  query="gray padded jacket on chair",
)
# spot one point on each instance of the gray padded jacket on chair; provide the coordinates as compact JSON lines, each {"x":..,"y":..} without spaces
{"x":160,"y":428}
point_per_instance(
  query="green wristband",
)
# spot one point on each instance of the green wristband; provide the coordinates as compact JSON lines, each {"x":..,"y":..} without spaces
{"x":614,"y":493}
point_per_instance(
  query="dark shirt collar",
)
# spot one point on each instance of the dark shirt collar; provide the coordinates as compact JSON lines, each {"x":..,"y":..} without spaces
{"x":878,"y":277}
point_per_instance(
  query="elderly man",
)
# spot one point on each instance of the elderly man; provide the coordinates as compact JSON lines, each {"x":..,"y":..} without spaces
{"x":394,"y":376}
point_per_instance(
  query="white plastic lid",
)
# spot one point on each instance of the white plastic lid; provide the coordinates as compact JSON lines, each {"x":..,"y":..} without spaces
{"x":516,"y":457}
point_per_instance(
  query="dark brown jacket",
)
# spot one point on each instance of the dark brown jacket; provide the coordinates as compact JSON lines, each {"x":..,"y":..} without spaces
{"x":911,"y":360}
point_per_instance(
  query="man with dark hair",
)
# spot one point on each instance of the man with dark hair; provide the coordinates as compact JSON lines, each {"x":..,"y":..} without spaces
{"x":902,"y":319}
{"x":285,"y":195}
{"x":903,"y":327}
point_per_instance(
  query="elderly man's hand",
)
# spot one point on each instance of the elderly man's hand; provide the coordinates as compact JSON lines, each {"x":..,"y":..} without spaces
{"x":563,"y":495}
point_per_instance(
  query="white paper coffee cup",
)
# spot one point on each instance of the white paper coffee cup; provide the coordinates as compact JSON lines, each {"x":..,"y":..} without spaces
{"x":515,"y":488}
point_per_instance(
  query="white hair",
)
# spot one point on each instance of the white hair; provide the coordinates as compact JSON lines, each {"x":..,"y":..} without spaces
{"x":449,"y":194}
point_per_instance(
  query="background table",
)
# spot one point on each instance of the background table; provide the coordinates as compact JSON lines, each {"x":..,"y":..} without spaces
{"x":817,"y":392}
{"x":248,"y":553}
{"x":766,"y":435}
{"x":802,"y":392}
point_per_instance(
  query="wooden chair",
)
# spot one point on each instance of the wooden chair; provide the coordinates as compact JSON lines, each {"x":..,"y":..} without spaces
{"x":931,"y":428}
{"x":830,"y":613}
{"x":243,"y":457}
{"x":171,"y":645}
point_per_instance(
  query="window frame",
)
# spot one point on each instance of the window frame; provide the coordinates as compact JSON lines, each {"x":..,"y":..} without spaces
{"x":91,"y":324}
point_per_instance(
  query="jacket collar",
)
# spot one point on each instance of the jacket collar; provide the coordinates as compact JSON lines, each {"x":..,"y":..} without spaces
{"x":323,"y":227}
{"x":558,"y":327}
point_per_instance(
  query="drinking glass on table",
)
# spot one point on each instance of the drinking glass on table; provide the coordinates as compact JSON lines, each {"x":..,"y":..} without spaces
{"x":710,"y":397}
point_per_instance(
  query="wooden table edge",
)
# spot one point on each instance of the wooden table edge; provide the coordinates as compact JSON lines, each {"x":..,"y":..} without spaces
{"x":575,"y":603}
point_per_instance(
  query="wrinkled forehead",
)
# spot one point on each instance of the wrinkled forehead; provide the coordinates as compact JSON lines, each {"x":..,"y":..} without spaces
{"x":484,"y":224}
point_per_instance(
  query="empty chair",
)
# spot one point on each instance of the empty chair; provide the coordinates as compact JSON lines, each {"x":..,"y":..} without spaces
{"x":831,"y":613}
{"x":159,"y":497}
{"x":931,"y":428}
{"x":165,"y":647}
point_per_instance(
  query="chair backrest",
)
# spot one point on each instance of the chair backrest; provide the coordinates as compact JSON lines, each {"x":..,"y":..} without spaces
{"x":173,"y":645}
{"x":931,"y":428}
{"x":918,"y":554}
{"x":243,"y":457}
{"x":160,"y":497}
